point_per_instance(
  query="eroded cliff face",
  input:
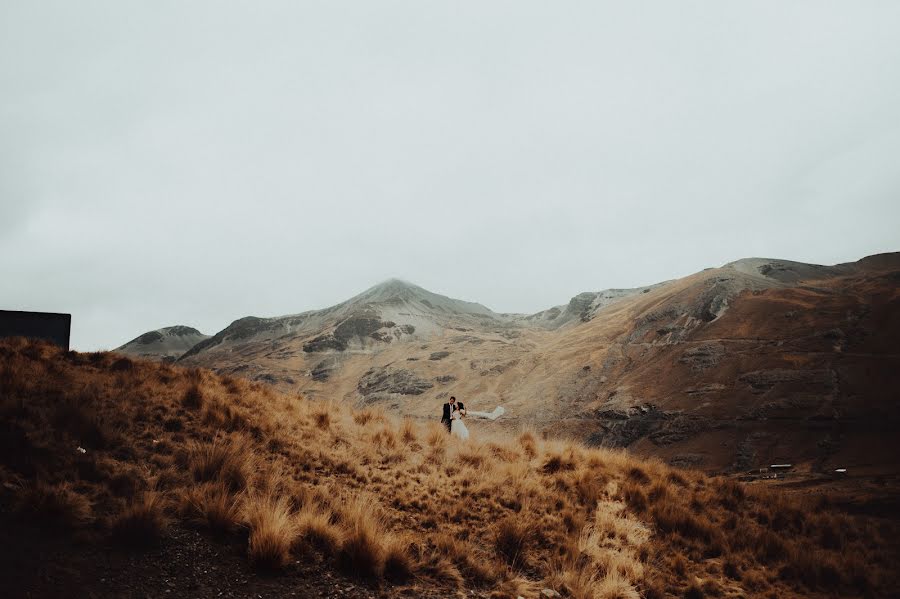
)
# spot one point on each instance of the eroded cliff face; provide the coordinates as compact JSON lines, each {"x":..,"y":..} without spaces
{"x":757,"y":361}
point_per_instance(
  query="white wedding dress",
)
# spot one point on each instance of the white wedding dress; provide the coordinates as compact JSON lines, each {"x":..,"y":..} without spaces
{"x":457,"y":426}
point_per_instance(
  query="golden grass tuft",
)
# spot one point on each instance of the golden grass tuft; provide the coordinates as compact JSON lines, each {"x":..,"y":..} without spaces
{"x":316,"y":529}
{"x":228,"y":462}
{"x":362,"y":550}
{"x":273,"y":531}
{"x":408,"y":431}
{"x":528,"y":444}
{"x":56,"y":506}
{"x":211,"y":505}
{"x":322,"y":416}
{"x":193,"y":397}
{"x":511,"y":538}
{"x":398,"y":562}
{"x":143,"y":522}
{"x":460,"y":558}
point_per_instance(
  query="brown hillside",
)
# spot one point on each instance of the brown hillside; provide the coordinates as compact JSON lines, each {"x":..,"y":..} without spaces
{"x":756,"y":362}
{"x":129,"y":478}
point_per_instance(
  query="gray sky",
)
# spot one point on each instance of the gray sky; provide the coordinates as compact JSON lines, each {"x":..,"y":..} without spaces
{"x":194,"y":162}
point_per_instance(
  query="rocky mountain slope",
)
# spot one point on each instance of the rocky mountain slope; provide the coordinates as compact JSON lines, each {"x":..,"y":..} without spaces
{"x":758,"y":361}
{"x":167,"y":344}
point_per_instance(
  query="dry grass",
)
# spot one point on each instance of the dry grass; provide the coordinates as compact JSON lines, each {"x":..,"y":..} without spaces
{"x":387,"y":499}
{"x":144,"y":522}
{"x":228,"y":462}
{"x":213,"y":506}
{"x":363,"y":549}
{"x":273,"y":531}
{"x":317,"y":530}
{"x":193,"y":397}
{"x":54,"y":505}
{"x":511,"y":537}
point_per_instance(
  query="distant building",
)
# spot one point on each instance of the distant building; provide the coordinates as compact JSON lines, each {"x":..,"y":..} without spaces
{"x":48,"y":326}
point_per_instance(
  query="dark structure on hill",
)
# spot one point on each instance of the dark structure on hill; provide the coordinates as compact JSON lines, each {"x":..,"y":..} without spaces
{"x":48,"y":326}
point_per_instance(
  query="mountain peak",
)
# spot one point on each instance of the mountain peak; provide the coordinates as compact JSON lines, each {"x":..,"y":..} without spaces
{"x":394,"y":284}
{"x":164,"y":343}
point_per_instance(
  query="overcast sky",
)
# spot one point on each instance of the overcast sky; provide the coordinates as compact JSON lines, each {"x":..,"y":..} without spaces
{"x":195,"y":162}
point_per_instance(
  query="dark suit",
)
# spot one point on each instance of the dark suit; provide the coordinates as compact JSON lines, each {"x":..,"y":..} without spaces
{"x":445,"y":418}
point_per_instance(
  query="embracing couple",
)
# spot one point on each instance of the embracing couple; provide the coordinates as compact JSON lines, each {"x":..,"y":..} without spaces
{"x":452,"y":418}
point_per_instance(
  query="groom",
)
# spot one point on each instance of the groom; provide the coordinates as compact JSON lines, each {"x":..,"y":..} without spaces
{"x":448,"y":410}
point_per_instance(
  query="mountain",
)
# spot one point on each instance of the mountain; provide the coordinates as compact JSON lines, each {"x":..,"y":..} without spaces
{"x":757,"y":361}
{"x":167,"y":344}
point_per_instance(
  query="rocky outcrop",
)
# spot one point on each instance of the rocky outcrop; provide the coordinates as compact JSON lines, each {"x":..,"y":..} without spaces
{"x":359,"y":327}
{"x":324,"y":343}
{"x":324,"y":369}
{"x":703,"y":357}
{"x":761,"y":381}
{"x":620,"y":427}
{"x":386,"y":380}
{"x":359,"y":330}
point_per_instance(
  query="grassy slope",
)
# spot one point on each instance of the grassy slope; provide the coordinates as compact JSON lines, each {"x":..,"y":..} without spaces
{"x":393,"y":502}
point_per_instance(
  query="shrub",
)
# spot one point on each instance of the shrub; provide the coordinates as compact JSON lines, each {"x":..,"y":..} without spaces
{"x":231,"y":384}
{"x":80,"y":419}
{"x":462,"y":559}
{"x":731,"y":494}
{"x":173,"y":424}
{"x":529,"y":444}
{"x":731,"y":569}
{"x":437,"y":436}
{"x":615,"y":587}
{"x":635,"y":498}
{"x":677,"y":479}
{"x":658,"y":492}
{"x":408,"y":431}
{"x":227,"y":462}
{"x":143,"y":522}
{"x":56,"y":506}
{"x":768,"y":546}
{"x":473,"y":456}
{"x":588,"y":488}
{"x":193,"y":397}
{"x":556,"y":463}
{"x":638,"y":475}
{"x":124,"y":484}
{"x":398,"y":566}
{"x":123,"y":364}
{"x":362,"y":417}
{"x":695,"y":591}
{"x":272,"y":531}
{"x":222,"y":416}
{"x":212,"y":506}
{"x":511,"y":536}
{"x":316,"y":529}
{"x":361,"y":554}
{"x":322,"y":418}
{"x":814,"y":569}
{"x":673,"y":518}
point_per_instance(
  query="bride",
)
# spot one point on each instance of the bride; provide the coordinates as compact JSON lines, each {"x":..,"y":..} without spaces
{"x":457,"y":426}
